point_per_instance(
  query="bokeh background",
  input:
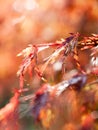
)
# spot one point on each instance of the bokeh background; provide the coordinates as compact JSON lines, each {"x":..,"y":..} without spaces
{"x":24,"y":22}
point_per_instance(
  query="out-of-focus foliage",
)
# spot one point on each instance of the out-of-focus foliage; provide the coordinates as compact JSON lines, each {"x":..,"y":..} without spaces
{"x":24,"y":22}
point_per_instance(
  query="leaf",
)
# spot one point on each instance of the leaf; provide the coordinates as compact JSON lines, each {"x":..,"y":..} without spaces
{"x":78,"y":80}
{"x":41,"y":99}
{"x":52,"y":58}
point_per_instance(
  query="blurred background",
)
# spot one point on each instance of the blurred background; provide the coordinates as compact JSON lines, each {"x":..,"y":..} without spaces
{"x":24,"y":22}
